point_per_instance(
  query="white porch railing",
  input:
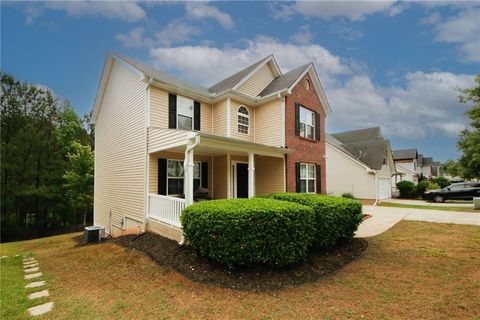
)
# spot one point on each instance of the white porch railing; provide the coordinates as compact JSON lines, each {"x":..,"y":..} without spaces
{"x":166,"y":209}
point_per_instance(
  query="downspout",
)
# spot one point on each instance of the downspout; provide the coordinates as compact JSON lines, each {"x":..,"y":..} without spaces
{"x":374,"y":172}
{"x":188,"y":149}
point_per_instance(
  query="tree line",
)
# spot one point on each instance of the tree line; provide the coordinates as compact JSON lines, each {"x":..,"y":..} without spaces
{"x":468,"y":165}
{"x":46,"y":163}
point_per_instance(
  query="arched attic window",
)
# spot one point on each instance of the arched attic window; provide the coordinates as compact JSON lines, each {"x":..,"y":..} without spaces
{"x":243,"y":119}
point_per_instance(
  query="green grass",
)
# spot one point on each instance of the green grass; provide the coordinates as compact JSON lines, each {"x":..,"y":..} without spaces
{"x":13,"y":294}
{"x":432,"y":207}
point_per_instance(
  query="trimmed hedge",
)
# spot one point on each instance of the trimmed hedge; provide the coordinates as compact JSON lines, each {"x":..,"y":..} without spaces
{"x":407,"y":189}
{"x":249,"y":231}
{"x":335,"y":218}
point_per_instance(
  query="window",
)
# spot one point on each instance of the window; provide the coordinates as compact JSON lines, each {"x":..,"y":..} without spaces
{"x":307,"y":123}
{"x":175,"y":177}
{"x":184,"y":113}
{"x":243,"y":119}
{"x":307,"y":178}
{"x":307,"y":84}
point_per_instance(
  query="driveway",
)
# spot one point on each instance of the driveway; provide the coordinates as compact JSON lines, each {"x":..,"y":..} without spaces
{"x":383,"y":218}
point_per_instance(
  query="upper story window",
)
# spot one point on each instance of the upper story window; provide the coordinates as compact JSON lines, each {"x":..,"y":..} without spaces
{"x":243,"y":119}
{"x":307,"y":123}
{"x":184,"y":113}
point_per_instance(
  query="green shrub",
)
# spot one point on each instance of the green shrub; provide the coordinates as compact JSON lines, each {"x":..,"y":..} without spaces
{"x":421,"y":188}
{"x":249,"y":231}
{"x":335,"y":218}
{"x":407,"y":189}
{"x":442,"y":182}
{"x":347,"y":195}
{"x":432,"y":186}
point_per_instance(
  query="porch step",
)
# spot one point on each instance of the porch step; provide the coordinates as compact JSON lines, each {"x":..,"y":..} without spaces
{"x":164,"y":229}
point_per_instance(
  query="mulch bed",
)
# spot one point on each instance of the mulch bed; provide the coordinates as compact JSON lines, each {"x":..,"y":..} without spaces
{"x":185,"y":261}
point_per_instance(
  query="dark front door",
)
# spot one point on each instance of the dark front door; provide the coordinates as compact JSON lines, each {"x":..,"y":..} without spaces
{"x":242,"y":180}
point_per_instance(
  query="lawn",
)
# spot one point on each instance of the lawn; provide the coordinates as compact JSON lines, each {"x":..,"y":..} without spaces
{"x":429,"y":207}
{"x":416,"y":270}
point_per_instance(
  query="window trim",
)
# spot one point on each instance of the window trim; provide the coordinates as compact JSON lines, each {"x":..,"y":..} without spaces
{"x":306,"y":125}
{"x":247,"y":116}
{"x":306,"y":179}
{"x":184,"y":115}
{"x":180,"y":178}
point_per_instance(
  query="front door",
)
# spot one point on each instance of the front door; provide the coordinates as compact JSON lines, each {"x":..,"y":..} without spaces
{"x":241,"y":180}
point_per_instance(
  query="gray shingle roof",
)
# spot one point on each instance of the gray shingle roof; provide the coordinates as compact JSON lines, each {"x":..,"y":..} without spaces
{"x":405,"y":154}
{"x":420,"y":159}
{"x":234,"y":79}
{"x":365,"y":145}
{"x":359,"y":135}
{"x":427,"y":161}
{"x":164,"y":77}
{"x":284,"y":81}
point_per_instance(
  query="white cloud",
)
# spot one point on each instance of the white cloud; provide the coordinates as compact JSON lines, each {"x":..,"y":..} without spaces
{"x":303,"y":36}
{"x":134,"y":39}
{"x":206,"y":65}
{"x":122,"y":10}
{"x":201,"y":10}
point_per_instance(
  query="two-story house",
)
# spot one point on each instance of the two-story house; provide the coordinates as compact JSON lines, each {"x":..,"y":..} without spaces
{"x":160,"y":140}
{"x":406,"y":163}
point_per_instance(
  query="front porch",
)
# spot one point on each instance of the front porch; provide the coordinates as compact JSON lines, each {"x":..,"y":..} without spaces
{"x":184,"y":167}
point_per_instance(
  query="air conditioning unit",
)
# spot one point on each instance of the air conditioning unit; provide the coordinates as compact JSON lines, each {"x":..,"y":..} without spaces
{"x":93,"y":234}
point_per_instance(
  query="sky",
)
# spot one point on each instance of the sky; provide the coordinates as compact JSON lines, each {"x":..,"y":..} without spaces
{"x":397,"y":65}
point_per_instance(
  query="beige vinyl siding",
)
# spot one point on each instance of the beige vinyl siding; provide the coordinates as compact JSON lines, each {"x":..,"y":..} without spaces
{"x":258,"y":81}
{"x":161,"y":139}
{"x":206,"y":117}
{"x":220,"y":118}
{"x":269,"y":125}
{"x":120,"y":149}
{"x":220,"y":183}
{"x":269,"y":175}
{"x":153,"y":170}
{"x":158,"y":107}
{"x":234,"y":122}
{"x":346,"y":175}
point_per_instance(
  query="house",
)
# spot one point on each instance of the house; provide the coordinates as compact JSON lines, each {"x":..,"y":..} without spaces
{"x":406,"y":165}
{"x":162,"y":142}
{"x":359,"y":162}
{"x":427,"y":165}
{"x":437,"y":169}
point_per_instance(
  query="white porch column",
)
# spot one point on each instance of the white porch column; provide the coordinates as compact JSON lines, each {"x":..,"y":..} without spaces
{"x":188,"y":176}
{"x":251,"y":175}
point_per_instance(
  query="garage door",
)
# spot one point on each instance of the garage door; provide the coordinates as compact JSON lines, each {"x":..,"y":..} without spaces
{"x":384,"y":188}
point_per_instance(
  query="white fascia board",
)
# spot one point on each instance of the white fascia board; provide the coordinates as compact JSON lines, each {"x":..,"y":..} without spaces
{"x":107,"y":68}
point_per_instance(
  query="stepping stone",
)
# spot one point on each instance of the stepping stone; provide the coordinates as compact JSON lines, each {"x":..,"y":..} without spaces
{"x":3,"y":257}
{"x":32,"y":270}
{"x":17,"y":255}
{"x":28,"y":259}
{"x":36,"y":284}
{"x":39,"y":294}
{"x":31,"y":265}
{"x":41,"y":309}
{"x":33,"y":275}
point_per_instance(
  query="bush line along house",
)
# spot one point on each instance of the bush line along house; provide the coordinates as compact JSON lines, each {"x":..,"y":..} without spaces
{"x":159,"y":139}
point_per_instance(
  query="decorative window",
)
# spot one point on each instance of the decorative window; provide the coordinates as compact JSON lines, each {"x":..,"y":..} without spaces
{"x":307,"y":123}
{"x":307,"y":178}
{"x":175,"y":177}
{"x":307,"y":84}
{"x":243,"y":119}
{"x":184,"y":113}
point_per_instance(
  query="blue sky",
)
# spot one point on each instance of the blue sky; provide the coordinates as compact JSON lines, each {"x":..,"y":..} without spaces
{"x":390,"y":64}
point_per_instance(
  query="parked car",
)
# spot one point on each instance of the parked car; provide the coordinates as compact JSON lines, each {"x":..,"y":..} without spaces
{"x":455,"y":191}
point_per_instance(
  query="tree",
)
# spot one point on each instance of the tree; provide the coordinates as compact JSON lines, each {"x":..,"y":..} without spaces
{"x":469,"y":142}
{"x":453,"y":168}
{"x":79,"y":179}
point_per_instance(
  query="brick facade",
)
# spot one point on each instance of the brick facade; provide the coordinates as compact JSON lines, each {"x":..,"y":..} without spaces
{"x":307,"y":151}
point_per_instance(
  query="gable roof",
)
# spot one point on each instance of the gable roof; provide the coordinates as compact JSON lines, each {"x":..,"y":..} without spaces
{"x":365,"y":145}
{"x":420,"y":159}
{"x":427,"y":161}
{"x":405,"y":154}
{"x":284,"y":81}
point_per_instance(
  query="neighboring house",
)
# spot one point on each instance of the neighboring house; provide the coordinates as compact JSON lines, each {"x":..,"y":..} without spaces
{"x":159,"y":140}
{"x":359,"y":162}
{"x":427,"y":165}
{"x":437,"y":169}
{"x":406,"y":164}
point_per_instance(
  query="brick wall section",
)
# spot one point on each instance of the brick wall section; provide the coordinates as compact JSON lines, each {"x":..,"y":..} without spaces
{"x":308,"y":151}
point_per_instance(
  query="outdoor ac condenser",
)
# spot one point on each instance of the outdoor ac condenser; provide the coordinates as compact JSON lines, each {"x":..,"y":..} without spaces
{"x":93,"y":234}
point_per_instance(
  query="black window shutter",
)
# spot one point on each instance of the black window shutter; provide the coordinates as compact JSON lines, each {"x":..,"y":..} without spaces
{"x":297,"y":176}
{"x":196,"y":115}
{"x":318,"y":177}
{"x":172,"y":111}
{"x":162,"y":176}
{"x":317,"y":126}
{"x":297,"y":119}
{"x":205,"y":175}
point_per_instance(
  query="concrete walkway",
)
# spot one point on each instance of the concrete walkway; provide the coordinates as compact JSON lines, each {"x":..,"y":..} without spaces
{"x":383,"y":218}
